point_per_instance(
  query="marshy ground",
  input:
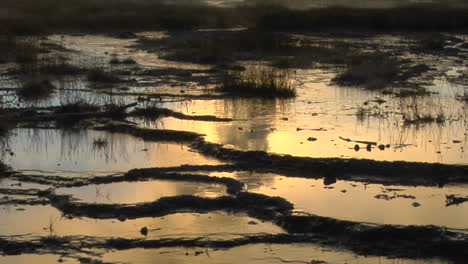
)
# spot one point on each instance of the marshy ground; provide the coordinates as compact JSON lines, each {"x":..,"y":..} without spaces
{"x":233,"y":138}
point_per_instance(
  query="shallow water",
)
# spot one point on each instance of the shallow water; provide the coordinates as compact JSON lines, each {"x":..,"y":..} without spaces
{"x":259,"y":253}
{"x":46,"y":220}
{"x":139,"y":192}
{"x":362,"y":202}
{"x":52,"y":149}
{"x":315,"y":124}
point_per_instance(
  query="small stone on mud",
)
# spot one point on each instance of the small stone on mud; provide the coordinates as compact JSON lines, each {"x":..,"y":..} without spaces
{"x":356,"y":147}
{"x":381,"y":147}
{"x":144,"y":231}
{"x":311,"y":139}
{"x":182,"y":91}
{"x":416,"y":204}
{"x":252,"y":223}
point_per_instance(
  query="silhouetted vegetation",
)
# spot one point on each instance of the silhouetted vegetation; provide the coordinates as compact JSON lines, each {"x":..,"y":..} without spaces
{"x":259,"y":82}
{"x":80,"y":106}
{"x":416,"y":17}
{"x":33,"y":17}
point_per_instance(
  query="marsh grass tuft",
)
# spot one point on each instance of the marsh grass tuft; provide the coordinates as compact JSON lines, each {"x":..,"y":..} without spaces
{"x":36,"y":89}
{"x":100,"y":143}
{"x":420,"y":110}
{"x":80,"y":106}
{"x":259,"y":82}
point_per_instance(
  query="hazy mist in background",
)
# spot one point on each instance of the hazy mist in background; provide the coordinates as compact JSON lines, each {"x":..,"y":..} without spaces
{"x":302,"y":4}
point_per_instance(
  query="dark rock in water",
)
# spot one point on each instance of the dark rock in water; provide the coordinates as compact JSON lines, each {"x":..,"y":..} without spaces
{"x":122,"y":218}
{"x":252,"y":223}
{"x":144,"y":231}
{"x":356,"y":147}
{"x":381,"y":147}
{"x":416,"y":204}
{"x":456,"y":141}
{"x":369,"y":147}
{"x":329,"y":180}
{"x":387,"y":146}
{"x":312,"y":139}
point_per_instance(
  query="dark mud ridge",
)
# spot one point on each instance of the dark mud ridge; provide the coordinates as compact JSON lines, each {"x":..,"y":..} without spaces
{"x":151,"y":134}
{"x":255,"y":205}
{"x":399,"y":172}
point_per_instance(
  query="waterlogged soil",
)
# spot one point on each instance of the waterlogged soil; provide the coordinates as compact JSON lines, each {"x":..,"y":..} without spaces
{"x":335,"y":175}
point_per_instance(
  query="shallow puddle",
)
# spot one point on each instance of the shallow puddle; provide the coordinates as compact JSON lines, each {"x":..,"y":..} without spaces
{"x":356,"y":201}
{"x":46,"y":220}
{"x":35,"y":258}
{"x":87,"y":150}
{"x":260,"y":253}
{"x":138,"y":192}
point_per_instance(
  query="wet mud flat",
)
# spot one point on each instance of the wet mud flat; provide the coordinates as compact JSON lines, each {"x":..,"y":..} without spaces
{"x":136,"y":155}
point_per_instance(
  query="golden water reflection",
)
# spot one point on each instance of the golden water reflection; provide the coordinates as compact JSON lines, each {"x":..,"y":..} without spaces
{"x":357,"y":201}
{"x":258,"y":254}
{"x":50,"y":149}
{"x":46,"y":220}
{"x":138,"y":192}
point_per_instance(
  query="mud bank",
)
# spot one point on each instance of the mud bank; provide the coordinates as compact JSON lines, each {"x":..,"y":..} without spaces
{"x":401,"y":172}
{"x":255,"y":205}
{"x":445,"y":248}
{"x":151,"y":134}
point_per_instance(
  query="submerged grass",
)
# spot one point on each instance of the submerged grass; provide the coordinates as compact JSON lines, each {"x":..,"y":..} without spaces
{"x":23,"y":50}
{"x":219,"y":46}
{"x":100,"y":75}
{"x":259,"y":82}
{"x":372,"y":70}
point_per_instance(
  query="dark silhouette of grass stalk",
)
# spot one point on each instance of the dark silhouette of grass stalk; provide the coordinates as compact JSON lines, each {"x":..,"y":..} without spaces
{"x":259,"y":82}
